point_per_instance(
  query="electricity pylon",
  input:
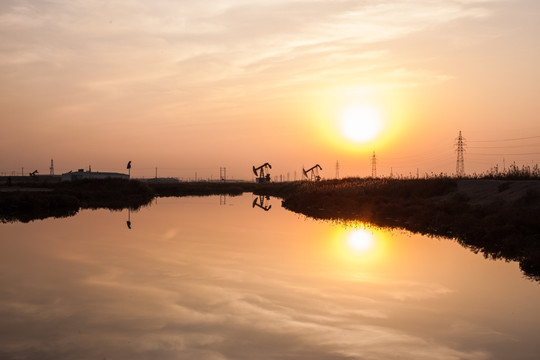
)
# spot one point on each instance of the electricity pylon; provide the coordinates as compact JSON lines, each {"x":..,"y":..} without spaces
{"x":460,"y":148}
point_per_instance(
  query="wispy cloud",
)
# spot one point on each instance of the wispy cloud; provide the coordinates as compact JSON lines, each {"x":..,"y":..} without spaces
{"x":173,"y":45}
{"x":100,"y":66}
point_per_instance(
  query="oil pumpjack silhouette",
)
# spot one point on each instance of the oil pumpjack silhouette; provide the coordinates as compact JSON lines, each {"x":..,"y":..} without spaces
{"x":313,"y":173}
{"x":261,"y":176}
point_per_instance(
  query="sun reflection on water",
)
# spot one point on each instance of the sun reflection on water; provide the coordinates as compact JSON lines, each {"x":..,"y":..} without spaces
{"x":360,"y":240}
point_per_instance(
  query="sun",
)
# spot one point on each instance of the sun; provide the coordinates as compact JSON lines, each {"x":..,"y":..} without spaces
{"x":361,"y":123}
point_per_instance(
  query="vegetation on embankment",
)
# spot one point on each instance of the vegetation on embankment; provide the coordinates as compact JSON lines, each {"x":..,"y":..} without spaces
{"x":27,"y":206}
{"x":67,"y":198}
{"x":502,"y":223}
{"x":201,"y":188}
{"x":115,"y":194}
{"x":499,"y":218}
{"x":33,"y":201}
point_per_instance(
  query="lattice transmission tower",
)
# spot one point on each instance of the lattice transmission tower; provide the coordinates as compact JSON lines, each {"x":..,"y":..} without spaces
{"x":460,"y":149}
{"x":373,"y":166}
{"x":223,"y":174}
{"x":337,"y":169}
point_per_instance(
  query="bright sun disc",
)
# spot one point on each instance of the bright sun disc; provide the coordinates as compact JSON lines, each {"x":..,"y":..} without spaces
{"x":361,"y":123}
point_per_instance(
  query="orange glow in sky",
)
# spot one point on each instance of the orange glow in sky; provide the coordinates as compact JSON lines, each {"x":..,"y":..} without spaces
{"x":191,"y":87}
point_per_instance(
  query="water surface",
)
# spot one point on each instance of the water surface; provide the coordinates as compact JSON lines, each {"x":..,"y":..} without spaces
{"x":215,"y":278}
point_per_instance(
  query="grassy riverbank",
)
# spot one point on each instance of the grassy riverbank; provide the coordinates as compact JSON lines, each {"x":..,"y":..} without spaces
{"x":41,"y":201}
{"x":34,"y":201}
{"x":496,"y":217}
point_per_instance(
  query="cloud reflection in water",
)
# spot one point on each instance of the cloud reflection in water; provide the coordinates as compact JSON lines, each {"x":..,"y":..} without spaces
{"x":177,"y":288}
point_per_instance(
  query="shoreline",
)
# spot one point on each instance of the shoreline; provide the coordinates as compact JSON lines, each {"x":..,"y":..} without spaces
{"x":498,"y":218}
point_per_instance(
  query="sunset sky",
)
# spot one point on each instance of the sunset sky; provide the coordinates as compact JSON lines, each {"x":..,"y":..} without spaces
{"x":190,"y":87}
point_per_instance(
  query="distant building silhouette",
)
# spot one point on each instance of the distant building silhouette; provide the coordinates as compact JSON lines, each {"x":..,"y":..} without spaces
{"x":83,"y":175}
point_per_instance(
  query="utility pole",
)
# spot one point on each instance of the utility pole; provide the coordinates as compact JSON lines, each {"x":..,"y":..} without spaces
{"x":52,"y":167}
{"x":373,"y":166}
{"x":156,"y":173}
{"x":337,"y":169}
{"x":460,"y":148}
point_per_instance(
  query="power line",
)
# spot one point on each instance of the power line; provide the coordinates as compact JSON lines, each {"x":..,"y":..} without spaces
{"x":506,"y":154}
{"x":373,"y":166}
{"x":515,"y":139}
{"x":502,"y":147}
{"x":416,"y":156}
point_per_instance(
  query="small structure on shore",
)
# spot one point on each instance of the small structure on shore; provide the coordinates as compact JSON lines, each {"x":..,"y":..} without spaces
{"x":128,"y":167}
{"x":94,"y":175}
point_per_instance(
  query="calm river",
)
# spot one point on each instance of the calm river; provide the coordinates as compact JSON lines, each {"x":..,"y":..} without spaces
{"x":215,"y":278}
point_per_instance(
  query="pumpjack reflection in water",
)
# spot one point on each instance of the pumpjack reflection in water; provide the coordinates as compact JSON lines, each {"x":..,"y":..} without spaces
{"x":262,"y":202}
{"x":128,"y":222}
